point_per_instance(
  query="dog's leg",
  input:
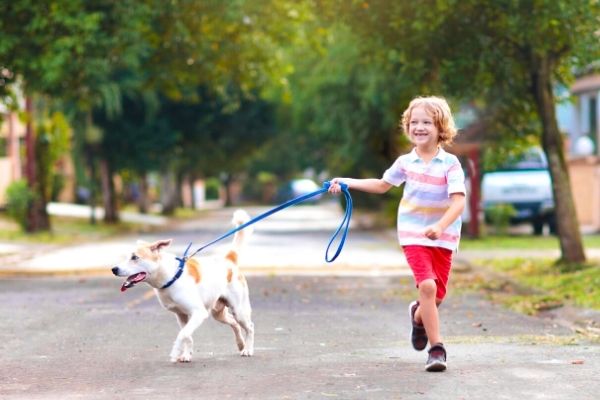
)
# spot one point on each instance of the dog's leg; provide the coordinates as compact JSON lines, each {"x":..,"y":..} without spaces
{"x":243,"y":315}
{"x":184,"y":338}
{"x":221,"y":314}
{"x":187,"y":347}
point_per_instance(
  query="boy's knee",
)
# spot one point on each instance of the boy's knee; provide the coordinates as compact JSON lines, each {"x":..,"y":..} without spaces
{"x":428,"y":288}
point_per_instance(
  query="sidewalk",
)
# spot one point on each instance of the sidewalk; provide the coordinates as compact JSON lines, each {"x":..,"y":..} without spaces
{"x":291,"y":242}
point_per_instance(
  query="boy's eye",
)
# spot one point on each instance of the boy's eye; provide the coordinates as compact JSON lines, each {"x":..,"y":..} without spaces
{"x":134,"y":257}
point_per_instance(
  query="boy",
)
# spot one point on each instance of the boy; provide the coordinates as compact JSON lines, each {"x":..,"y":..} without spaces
{"x":429,"y":221}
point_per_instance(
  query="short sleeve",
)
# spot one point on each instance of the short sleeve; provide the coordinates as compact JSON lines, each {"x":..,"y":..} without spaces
{"x":456,"y":179}
{"x":395,"y":175}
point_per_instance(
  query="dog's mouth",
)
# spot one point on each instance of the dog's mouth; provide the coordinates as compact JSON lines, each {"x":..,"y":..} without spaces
{"x":133,"y":280}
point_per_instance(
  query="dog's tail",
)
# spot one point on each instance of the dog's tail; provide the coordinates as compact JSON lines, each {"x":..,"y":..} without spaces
{"x":240,"y":217}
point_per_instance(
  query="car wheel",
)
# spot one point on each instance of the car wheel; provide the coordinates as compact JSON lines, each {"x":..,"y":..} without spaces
{"x":552,"y":225}
{"x":538,"y":227}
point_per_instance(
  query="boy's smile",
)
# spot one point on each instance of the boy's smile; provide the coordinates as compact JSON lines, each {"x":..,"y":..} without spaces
{"x":422,"y":129}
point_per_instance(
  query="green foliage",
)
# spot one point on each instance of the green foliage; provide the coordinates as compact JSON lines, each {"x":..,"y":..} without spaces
{"x":72,"y":48}
{"x":500,"y":215}
{"x":52,"y":143}
{"x":261,"y":188}
{"x":345,"y":100}
{"x":213,"y":189}
{"x":18,"y":200}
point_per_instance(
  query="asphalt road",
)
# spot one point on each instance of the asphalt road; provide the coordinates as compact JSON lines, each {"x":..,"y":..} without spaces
{"x":316,"y":338}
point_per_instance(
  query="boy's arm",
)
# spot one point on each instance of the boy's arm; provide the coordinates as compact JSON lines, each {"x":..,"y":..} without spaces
{"x":456,"y":208}
{"x":371,"y":185}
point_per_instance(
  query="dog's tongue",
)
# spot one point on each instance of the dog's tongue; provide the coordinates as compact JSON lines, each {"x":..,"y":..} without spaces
{"x":132,"y":280}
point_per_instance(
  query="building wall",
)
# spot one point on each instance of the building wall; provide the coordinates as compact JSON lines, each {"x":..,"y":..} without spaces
{"x":585,"y":185}
{"x":585,"y":118}
{"x":12,"y":130}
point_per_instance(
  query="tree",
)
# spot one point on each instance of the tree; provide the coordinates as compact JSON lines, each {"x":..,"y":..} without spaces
{"x":215,"y":136}
{"x":526,"y":49}
{"x":509,"y":55}
{"x":67,"y":50}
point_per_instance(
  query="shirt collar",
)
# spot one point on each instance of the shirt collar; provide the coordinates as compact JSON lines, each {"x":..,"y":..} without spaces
{"x":414,"y":157}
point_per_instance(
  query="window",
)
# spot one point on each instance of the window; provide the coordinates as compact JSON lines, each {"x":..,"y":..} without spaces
{"x":593,"y":121}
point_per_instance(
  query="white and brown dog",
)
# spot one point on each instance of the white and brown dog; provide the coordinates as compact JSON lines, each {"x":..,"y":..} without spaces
{"x":195,"y":288}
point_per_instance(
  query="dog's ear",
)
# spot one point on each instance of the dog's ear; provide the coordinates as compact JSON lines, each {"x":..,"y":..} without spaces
{"x":160,"y":244}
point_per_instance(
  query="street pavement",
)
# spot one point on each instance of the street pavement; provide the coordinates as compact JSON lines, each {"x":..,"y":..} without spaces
{"x":323,"y":330}
{"x":291,"y":241}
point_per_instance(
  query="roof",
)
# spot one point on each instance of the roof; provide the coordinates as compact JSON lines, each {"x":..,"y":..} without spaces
{"x":586,"y":83}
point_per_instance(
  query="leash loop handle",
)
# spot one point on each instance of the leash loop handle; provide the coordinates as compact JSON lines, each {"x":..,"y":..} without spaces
{"x":345,"y":225}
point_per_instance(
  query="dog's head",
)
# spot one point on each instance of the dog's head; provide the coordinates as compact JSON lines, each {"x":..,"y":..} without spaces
{"x":142,"y":264}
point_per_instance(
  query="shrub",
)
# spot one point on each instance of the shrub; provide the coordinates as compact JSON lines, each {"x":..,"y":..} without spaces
{"x":213,"y":187}
{"x":18,"y":200}
{"x":500,"y":216}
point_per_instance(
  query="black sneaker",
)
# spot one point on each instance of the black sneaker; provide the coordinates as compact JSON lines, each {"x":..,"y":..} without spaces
{"x":418,"y":336}
{"x":436,"y":362}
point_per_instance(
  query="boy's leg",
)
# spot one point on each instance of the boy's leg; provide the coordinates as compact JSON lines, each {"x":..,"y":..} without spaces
{"x":428,"y":311}
{"x":418,"y":318}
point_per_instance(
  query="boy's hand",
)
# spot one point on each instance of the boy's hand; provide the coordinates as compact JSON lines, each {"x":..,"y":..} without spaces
{"x":334,"y":185}
{"x":433,"y":232}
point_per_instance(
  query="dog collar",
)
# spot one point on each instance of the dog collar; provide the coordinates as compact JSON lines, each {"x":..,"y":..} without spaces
{"x":180,"y":267}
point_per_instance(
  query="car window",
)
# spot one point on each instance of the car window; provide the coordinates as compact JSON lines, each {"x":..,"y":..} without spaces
{"x":532,"y":159}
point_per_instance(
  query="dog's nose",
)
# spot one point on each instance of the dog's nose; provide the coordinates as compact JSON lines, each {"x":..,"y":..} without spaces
{"x":115,"y":271}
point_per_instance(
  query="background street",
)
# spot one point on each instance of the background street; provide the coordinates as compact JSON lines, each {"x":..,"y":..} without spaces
{"x":322,"y":331}
{"x":316,"y":338}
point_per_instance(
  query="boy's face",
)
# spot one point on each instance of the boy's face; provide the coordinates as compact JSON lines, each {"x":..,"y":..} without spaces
{"x":422,"y":130}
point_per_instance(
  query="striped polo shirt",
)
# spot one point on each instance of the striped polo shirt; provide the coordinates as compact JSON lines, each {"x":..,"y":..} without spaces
{"x":426,"y":196}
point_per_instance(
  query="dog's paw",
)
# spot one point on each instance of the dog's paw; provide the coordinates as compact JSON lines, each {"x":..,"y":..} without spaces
{"x":183,"y":358}
{"x":186,"y":356}
{"x":246,"y":353}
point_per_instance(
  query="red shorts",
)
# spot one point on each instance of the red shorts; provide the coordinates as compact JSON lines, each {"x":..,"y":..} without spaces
{"x":430,"y":263}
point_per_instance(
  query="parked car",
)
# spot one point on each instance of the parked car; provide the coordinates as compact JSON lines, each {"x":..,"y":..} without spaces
{"x":525,"y":184}
{"x":296,"y":188}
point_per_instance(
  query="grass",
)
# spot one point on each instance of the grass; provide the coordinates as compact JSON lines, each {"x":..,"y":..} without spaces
{"x":67,"y":230}
{"x":522,"y":242}
{"x":533,"y":285}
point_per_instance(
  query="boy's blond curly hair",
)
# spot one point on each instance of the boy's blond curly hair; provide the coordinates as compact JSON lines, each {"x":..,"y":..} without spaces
{"x":439,"y":110}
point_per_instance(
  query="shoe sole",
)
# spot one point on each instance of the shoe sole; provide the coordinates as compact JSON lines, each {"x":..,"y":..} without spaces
{"x":410,"y":316}
{"x":437,"y":366}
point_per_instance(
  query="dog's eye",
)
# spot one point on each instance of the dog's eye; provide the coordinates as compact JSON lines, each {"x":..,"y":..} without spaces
{"x":134,"y":257}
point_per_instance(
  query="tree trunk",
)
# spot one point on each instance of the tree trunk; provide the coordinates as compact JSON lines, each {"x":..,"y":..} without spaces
{"x":143,"y":200}
{"x":227,"y":181}
{"x":92,"y":182}
{"x":191,"y":183}
{"x":179,"y":185}
{"x":569,"y":233}
{"x":109,"y":196}
{"x":168,"y":193}
{"x":37,"y":216}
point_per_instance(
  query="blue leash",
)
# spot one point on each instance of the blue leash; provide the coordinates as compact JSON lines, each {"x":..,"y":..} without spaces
{"x":344,"y":225}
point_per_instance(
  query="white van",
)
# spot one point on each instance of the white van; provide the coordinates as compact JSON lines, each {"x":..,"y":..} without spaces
{"x":525,"y":184}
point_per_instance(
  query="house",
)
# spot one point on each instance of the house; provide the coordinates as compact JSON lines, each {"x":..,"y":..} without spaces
{"x":580,"y":121}
{"x":12,"y":133}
